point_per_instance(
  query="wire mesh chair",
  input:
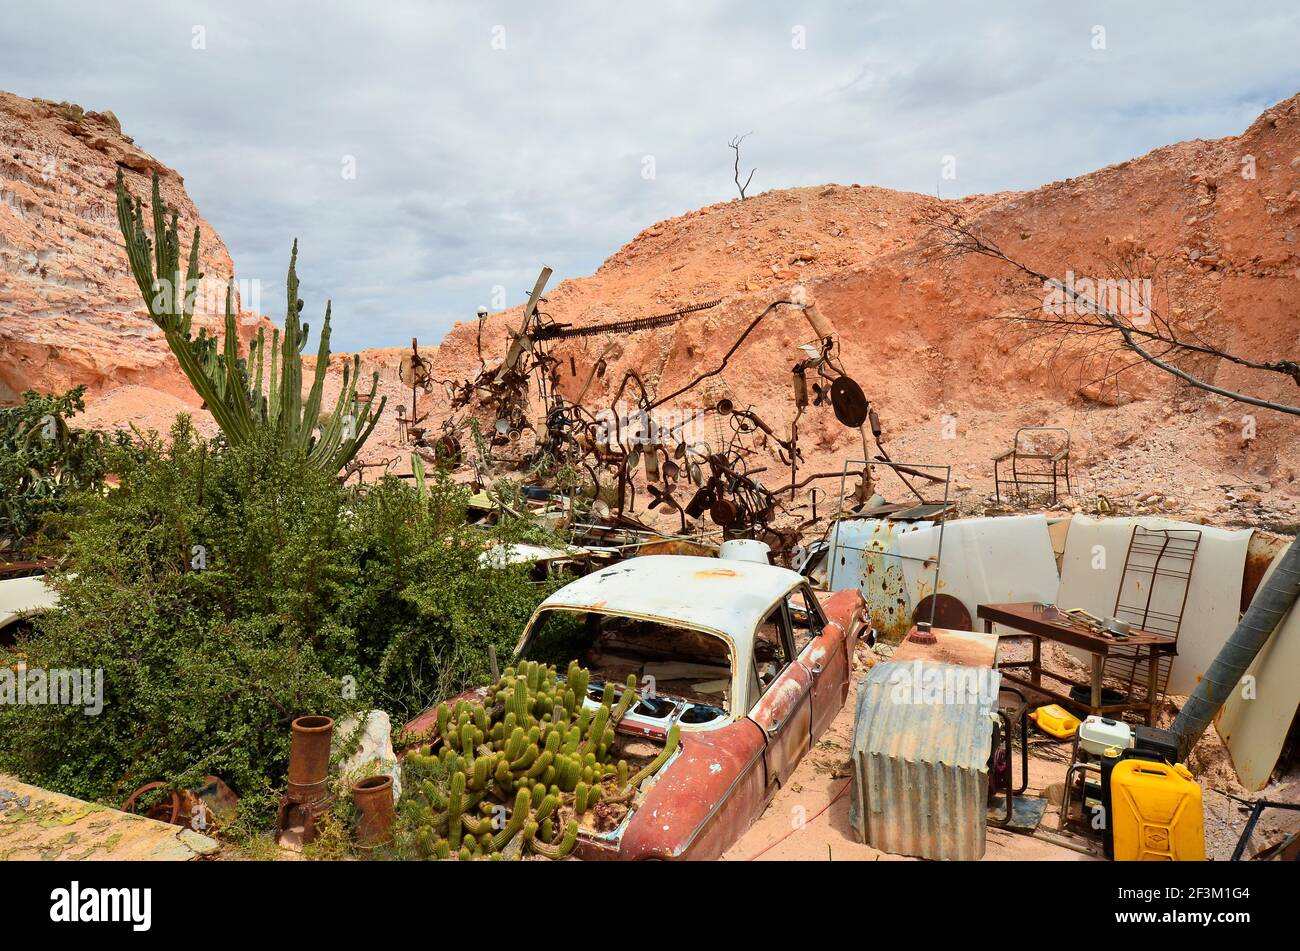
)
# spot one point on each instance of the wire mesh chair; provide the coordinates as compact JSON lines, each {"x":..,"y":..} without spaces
{"x":1039,"y":456}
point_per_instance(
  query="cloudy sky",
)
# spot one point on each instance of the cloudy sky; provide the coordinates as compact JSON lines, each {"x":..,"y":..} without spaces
{"x":426,"y":153}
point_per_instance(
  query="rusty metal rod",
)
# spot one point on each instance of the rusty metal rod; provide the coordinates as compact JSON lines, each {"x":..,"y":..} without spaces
{"x":726,"y":357}
{"x":634,"y":325}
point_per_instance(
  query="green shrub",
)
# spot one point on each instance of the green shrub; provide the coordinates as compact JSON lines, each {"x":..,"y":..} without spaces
{"x":424,"y":608}
{"x":191,"y":586}
{"x":225,"y":591}
{"x":44,"y":462}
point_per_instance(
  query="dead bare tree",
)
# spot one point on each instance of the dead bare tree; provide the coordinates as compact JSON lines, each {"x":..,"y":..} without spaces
{"x":734,"y":145}
{"x":1141,"y":329}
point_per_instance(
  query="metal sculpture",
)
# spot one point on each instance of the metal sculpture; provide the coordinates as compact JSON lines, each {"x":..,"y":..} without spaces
{"x":628,"y":454}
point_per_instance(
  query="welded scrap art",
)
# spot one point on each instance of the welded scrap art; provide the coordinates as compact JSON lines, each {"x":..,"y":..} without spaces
{"x":634,"y":453}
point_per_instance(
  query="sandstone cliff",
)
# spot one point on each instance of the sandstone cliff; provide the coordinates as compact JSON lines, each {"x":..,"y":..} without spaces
{"x":70,"y":311}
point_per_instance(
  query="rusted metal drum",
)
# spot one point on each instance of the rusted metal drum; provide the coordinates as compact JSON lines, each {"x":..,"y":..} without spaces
{"x":949,"y":612}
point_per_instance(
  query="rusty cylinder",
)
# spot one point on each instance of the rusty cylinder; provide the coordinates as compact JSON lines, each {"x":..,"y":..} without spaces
{"x":820,"y":325}
{"x":374,"y":800}
{"x":309,"y":758}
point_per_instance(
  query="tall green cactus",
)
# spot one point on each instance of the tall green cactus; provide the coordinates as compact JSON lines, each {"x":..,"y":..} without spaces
{"x":233,"y":392}
{"x":455,"y":806}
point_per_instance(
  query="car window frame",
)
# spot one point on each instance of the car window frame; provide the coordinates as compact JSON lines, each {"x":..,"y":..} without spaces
{"x":814,"y":607}
{"x":734,"y":704}
{"x":788,"y":645}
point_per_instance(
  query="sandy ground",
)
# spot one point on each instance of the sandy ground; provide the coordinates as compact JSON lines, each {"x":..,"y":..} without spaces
{"x":820,"y":785}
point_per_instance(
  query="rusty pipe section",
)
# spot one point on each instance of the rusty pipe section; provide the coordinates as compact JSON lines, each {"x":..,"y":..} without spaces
{"x":1271,"y":603}
{"x":309,"y":758}
{"x":374,"y":800}
{"x":821,"y":326}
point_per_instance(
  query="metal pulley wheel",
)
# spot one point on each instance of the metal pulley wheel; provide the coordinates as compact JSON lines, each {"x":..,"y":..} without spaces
{"x":166,"y":810}
{"x":448,"y":447}
{"x":849,"y":402}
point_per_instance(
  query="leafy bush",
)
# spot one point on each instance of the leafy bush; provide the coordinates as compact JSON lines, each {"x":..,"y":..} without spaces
{"x":225,"y":591}
{"x":44,"y":462}
{"x":424,"y":608}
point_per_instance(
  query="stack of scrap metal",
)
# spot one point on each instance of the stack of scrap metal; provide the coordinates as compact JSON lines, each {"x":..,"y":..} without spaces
{"x":922,"y":735}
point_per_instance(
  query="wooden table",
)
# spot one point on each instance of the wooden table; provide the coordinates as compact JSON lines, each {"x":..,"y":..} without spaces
{"x":1038,"y":621}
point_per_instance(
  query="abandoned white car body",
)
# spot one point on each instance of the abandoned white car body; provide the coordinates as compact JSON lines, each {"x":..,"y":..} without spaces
{"x":741,"y":655}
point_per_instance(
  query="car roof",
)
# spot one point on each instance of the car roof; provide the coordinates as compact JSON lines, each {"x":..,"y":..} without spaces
{"x":731,"y":597}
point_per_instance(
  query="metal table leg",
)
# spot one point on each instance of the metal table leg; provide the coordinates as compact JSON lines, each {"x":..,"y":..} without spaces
{"x":1153,"y":674}
{"x":1096,"y":680}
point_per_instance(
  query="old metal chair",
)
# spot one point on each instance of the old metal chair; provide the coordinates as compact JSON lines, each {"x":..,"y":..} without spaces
{"x":1039,"y":456}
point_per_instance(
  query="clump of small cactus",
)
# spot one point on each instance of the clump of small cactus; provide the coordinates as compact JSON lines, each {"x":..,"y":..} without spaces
{"x":531,"y":747}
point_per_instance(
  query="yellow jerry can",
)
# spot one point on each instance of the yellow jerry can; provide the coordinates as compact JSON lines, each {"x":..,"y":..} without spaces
{"x":1156,"y":813}
{"x":1056,"y":721}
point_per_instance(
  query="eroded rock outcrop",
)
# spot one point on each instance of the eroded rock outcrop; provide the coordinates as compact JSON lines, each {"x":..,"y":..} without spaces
{"x":918,"y":330}
{"x":70,"y":311}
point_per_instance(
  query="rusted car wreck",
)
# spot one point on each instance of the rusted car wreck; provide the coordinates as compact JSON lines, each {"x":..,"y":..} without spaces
{"x":742,"y":656}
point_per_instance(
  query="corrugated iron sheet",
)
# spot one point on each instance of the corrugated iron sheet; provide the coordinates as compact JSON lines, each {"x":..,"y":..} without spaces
{"x":921,"y":767}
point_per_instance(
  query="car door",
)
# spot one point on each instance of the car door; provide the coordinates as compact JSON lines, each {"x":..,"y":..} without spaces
{"x":783,"y":710}
{"x":823,"y":653}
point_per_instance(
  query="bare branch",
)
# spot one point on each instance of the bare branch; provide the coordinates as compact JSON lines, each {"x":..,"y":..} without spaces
{"x":1159,"y":344}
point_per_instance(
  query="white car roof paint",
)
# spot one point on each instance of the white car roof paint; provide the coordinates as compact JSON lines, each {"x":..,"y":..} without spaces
{"x":725,"y":597}
{"x":730,"y":597}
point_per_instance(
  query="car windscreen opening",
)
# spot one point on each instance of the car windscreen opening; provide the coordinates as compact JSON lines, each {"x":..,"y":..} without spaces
{"x":680,"y":662}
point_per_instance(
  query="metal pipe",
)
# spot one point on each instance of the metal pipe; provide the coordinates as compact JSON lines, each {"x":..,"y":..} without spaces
{"x":822,"y":327}
{"x":1271,"y":603}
